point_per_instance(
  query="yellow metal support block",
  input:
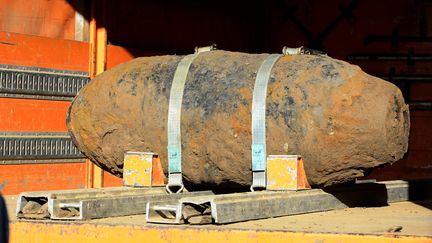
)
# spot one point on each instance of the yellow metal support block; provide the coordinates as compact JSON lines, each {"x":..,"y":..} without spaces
{"x":142,"y":169}
{"x":137,"y":170}
{"x":286,"y":172}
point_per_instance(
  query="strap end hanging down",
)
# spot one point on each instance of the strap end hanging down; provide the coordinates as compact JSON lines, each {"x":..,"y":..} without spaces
{"x":258,"y":167}
{"x":258,"y":181}
{"x":175,"y":180}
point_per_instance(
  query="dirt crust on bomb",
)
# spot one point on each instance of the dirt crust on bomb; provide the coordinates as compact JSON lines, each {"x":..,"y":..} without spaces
{"x":340,"y":119}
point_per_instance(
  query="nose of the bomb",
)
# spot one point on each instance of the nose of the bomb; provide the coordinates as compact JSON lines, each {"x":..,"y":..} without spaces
{"x":386,"y":104}
{"x":397,"y":125}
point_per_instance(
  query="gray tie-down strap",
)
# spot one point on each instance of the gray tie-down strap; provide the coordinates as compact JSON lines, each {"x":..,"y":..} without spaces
{"x":175,"y":182}
{"x":259,"y":122}
{"x":259,"y":152}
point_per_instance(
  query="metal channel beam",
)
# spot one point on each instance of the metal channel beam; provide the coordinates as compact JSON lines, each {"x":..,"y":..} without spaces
{"x":113,"y":206}
{"x":40,"y":83}
{"x":227,"y":210}
{"x":84,"y":204}
{"x":20,"y":148}
{"x":238,"y":207}
{"x":47,"y":197}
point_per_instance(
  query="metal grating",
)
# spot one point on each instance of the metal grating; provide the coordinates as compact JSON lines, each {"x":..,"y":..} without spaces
{"x":37,"y":146}
{"x":43,"y":83}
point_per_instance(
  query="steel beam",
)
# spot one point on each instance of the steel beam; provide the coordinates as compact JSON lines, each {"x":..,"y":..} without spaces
{"x":84,"y":204}
{"x":230,"y":208}
{"x":19,"y":147}
{"x":40,"y":83}
{"x":47,"y":197}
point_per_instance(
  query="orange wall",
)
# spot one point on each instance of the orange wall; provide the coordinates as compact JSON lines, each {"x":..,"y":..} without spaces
{"x":31,"y":115}
{"x":55,"y":18}
{"x":25,"y":50}
{"x":41,"y":177}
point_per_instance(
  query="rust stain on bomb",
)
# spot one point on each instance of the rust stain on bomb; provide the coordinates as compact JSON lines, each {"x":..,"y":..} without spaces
{"x":342,"y":120}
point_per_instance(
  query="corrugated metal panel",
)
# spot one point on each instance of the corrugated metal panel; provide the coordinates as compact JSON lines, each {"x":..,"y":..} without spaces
{"x":18,"y":147}
{"x":40,"y":83}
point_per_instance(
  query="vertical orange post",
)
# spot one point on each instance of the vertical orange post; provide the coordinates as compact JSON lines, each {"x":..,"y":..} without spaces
{"x":98,"y":50}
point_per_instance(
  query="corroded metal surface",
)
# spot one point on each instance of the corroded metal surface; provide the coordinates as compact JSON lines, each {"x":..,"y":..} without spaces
{"x":342,"y":120}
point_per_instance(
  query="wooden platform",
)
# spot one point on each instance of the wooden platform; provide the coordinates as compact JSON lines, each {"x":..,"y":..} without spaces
{"x":345,"y":225}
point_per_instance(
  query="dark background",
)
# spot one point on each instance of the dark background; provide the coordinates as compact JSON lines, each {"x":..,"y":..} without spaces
{"x":389,"y":39}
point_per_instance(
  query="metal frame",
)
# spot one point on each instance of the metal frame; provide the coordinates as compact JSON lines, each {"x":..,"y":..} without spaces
{"x":35,"y":161}
{"x":30,"y":146}
{"x":40,"y":83}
